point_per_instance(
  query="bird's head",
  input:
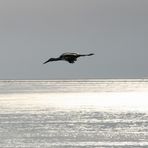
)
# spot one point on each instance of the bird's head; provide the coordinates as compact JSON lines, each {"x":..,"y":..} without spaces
{"x":50,"y":60}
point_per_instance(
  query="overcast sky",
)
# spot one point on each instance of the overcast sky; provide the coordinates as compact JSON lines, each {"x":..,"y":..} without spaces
{"x":32,"y":31}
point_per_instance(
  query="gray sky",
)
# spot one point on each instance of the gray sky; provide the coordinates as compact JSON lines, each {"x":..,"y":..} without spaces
{"x":31,"y":31}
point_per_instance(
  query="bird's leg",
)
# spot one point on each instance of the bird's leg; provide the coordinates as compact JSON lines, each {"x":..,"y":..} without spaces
{"x":82,"y":55}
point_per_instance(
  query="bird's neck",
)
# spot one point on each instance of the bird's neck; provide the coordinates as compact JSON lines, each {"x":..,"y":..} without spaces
{"x":56,"y":59}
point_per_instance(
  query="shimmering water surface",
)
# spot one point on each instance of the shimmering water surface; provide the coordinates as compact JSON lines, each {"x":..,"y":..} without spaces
{"x":74,"y":114}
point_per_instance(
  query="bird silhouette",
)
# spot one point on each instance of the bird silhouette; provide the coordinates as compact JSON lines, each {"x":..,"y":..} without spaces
{"x":69,"y":57}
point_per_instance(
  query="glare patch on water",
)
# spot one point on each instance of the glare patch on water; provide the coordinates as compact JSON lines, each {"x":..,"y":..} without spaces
{"x":128,"y":101}
{"x":74,"y":114}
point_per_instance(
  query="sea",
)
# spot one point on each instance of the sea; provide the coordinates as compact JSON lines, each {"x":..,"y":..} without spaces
{"x":90,"y":113}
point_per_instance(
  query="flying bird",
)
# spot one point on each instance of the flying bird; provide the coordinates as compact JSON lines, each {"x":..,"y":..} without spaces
{"x":69,"y":57}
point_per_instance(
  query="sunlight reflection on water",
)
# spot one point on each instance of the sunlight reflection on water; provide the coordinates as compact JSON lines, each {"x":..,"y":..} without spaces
{"x":74,"y":114}
{"x":108,"y":101}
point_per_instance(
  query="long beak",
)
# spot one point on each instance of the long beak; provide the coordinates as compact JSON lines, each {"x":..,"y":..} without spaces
{"x":46,"y":61}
